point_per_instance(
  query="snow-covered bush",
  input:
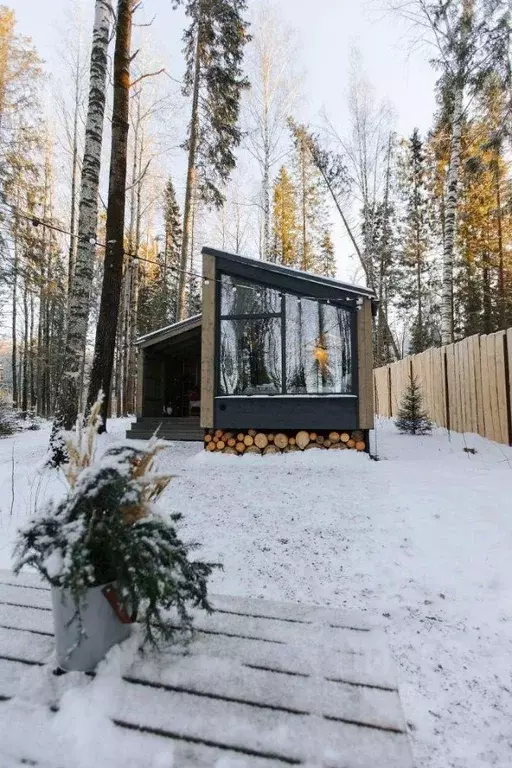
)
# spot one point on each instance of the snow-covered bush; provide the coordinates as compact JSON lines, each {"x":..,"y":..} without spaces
{"x":108,"y":529}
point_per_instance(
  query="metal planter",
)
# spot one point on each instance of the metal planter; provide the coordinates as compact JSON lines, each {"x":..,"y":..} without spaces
{"x":83,"y":637}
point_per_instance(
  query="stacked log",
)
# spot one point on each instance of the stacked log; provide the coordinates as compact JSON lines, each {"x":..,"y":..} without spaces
{"x":263,"y":443}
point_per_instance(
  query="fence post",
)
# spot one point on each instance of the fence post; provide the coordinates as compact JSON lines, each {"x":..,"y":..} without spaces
{"x":507,"y":386}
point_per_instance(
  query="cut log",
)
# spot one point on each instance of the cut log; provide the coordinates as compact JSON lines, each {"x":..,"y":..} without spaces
{"x":290,"y":449}
{"x":320,"y":439}
{"x":227,"y":436}
{"x":253,"y":448}
{"x":270,"y":437}
{"x":219,"y":433}
{"x":291,"y":441}
{"x":261,"y":440}
{"x":231,"y":451}
{"x":211,"y":446}
{"x":344,"y":437}
{"x":351,"y":443}
{"x":302,"y":439}
{"x":207,"y":438}
{"x":313,"y":436}
{"x":337,"y":446}
{"x":360,"y":445}
{"x":327,"y":443}
{"x":281,"y":440}
{"x":357,"y":435}
{"x":249,"y":440}
{"x":334,"y":437}
{"x":231,"y":442}
{"x":270,"y":449}
{"x":240,"y":447}
{"x":240,"y":437}
{"x":251,"y":432}
{"x":221,"y":445}
{"x":215,"y":440}
{"x":309,"y":446}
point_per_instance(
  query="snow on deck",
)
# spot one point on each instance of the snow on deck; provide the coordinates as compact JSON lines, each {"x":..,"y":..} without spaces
{"x":276,"y":684}
{"x":419,"y":542}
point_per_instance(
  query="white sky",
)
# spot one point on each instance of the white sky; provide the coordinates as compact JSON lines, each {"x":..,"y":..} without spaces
{"x":327,"y":30}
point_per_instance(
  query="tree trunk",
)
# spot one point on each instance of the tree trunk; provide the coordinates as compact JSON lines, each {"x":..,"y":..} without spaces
{"x":79,"y":300}
{"x":266,"y":187}
{"x":101,"y":374}
{"x":191,"y":183}
{"x":450,"y":216}
{"x":24,"y":378}
{"x":452,"y":191}
{"x":14,"y":318}
{"x":74,"y":174}
{"x":131,"y":371}
{"x":501,"y":266}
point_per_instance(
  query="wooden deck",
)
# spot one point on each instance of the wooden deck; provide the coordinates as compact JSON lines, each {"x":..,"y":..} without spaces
{"x":270,"y":684}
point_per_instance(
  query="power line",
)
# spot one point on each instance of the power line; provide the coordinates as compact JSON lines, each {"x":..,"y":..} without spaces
{"x":38,"y":221}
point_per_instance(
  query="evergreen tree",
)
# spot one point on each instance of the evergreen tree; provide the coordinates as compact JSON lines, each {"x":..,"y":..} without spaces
{"x":415,"y":272}
{"x":412,"y":419}
{"x":172,"y":251}
{"x":311,"y":203}
{"x":327,"y":261}
{"x":285,"y":230}
{"x":214,"y":48}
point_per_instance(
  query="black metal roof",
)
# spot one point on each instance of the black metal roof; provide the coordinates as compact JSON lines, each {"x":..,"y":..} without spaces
{"x":280,"y":270}
{"x":175,"y":329}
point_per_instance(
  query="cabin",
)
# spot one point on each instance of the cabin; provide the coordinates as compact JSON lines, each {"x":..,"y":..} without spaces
{"x":279,"y":359}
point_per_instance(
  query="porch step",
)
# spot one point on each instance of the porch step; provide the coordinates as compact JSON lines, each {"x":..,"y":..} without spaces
{"x":179,"y":428}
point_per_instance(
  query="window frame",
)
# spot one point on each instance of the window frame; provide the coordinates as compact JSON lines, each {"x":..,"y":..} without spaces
{"x":220,"y":317}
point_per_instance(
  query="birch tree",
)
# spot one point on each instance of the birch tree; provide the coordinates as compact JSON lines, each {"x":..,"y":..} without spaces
{"x":104,"y":348}
{"x":274,"y":95}
{"x":79,"y":299}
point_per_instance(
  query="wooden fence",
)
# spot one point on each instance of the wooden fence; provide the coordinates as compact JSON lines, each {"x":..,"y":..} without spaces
{"x":466,"y":386}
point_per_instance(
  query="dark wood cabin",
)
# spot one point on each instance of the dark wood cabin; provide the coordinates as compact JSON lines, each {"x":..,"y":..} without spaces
{"x":276,"y":351}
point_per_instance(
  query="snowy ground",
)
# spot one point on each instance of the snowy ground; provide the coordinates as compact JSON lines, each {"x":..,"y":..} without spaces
{"x":421,"y":539}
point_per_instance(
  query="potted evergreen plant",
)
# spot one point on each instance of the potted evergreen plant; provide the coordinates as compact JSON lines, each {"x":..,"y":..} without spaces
{"x":109,"y":554}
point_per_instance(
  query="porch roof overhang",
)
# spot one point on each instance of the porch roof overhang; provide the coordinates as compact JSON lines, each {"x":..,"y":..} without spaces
{"x":169,"y":332}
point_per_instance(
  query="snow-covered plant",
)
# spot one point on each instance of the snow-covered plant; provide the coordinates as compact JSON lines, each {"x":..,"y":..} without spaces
{"x":8,"y":421}
{"x":412,"y":419}
{"x":108,"y":529}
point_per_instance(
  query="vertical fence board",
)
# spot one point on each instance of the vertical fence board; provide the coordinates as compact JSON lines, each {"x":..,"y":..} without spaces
{"x":452,"y":396}
{"x":478,"y":385}
{"x":501,"y":387}
{"x":486,"y":368}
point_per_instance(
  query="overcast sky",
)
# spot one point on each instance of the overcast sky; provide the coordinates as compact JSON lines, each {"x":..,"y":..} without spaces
{"x":327,"y":31}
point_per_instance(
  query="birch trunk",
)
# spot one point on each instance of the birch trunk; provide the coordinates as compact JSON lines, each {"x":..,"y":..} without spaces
{"x":101,"y":374}
{"x":450,"y":219}
{"x":79,"y":300}
{"x":15,"y":400}
{"x":190,"y":189}
{"x":74,"y":175}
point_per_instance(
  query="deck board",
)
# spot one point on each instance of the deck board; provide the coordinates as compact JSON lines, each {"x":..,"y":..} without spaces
{"x":267,"y":683}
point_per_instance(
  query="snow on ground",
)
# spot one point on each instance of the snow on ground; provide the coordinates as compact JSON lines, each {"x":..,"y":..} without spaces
{"x":420,"y":540}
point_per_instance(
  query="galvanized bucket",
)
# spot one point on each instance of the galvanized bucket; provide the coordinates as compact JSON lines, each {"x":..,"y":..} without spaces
{"x":83,"y":639}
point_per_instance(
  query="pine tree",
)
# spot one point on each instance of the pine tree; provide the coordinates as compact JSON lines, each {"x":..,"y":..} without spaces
{"x":311,"y":202}
{"x":284,"y":224}
{"x":214,"y":48}
{"x":327,"y":260}
{"x":415,"y":272}
{"x":412,"y":419}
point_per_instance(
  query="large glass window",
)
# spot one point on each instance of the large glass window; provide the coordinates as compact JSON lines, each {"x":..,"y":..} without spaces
{"x":318,"y":348}
{"x":241,"y":297}
{"x":274,"y":343}
{"x":251,"y":357}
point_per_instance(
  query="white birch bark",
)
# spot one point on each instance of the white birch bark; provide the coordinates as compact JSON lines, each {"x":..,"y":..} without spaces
{"x":450,"y":219}
{"x":79,"y":300}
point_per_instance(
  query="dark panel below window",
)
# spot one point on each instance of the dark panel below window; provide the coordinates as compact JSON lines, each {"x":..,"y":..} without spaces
{"x":286,"y":413}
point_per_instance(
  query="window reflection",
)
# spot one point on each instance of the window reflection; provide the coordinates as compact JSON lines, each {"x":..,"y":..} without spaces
{"x":250,"y":357}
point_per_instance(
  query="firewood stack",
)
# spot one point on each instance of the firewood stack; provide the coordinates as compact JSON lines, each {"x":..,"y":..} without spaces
{"x":252,"y":441}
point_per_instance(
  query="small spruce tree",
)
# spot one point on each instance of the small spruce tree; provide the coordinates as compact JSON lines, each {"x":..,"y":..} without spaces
{"x":412,"y":419}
